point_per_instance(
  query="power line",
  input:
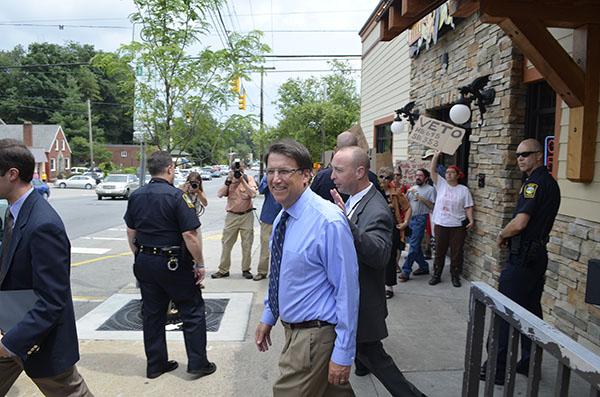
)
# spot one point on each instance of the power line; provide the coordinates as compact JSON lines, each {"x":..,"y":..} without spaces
{"x":305,"y":70}
{"x":305,"y":12}
{"x":62,"y":26}
{"x":252,"y":14}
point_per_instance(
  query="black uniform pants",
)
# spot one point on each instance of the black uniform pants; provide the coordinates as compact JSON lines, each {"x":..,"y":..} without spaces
{"x":524,"y":284}
{"x":158,"y":286}
{"x":372,"y":356}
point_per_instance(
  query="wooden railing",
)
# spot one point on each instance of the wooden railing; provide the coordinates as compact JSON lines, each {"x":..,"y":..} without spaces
{"x":573,"y":358}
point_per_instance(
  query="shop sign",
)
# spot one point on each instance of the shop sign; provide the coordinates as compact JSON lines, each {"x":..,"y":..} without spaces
{"x":426,"y":31}
{"x":437,"y":135}
{"x":549,"y":152}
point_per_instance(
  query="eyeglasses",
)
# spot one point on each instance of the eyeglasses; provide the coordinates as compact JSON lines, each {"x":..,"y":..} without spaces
{"x":526,"y":154}
{"x":388,"y":177}
{"x":283,"y":173}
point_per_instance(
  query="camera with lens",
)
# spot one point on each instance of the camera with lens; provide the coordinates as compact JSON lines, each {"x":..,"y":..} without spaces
{"x":237,"y":172}
{"x":194,"y":185}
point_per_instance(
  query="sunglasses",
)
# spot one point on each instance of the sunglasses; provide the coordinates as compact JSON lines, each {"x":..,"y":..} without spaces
{"x":526,"y":154}
{"x":386,"y":177}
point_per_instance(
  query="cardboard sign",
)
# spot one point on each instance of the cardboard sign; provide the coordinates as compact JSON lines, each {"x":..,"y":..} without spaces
{"x":437,"y":135}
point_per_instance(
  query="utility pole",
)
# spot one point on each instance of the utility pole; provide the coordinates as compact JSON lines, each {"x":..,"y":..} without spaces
{"x":262,"y":121}
{"x":89,"y":106}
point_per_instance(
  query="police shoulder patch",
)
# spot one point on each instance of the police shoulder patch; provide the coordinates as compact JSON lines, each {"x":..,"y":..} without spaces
{"x":529,"y":190}
{"x":187,"y":200}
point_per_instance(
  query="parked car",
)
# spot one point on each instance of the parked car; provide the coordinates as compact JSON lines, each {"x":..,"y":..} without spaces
{"x":206,"y":175}
{"x":41,"y":187}
{"x":224,"y":170}
{"x":77,"y":170}
{"x":117,"y":185}
{"x":215,"y":174}
{"x":3,"y":207}
{"x":96,"y":175}
{"x":76,"y":181}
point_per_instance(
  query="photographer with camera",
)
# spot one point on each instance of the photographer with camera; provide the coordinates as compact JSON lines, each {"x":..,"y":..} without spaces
{"x":193,"y":188}
{"x":239,"y":189}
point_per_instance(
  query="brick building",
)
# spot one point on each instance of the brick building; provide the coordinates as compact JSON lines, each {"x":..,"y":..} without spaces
{"x":124,"y":155}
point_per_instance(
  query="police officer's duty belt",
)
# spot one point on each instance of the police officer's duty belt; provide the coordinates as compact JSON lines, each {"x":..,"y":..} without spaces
{"x":160,"y":251}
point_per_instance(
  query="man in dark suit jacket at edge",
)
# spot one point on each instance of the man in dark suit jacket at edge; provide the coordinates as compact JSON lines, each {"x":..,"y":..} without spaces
{"x":322,"y":183}
{"x":371,"y":223}
{"x":35,"y":255}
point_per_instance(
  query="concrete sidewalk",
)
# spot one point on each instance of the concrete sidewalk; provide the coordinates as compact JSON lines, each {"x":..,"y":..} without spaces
{"x":427,"y":327}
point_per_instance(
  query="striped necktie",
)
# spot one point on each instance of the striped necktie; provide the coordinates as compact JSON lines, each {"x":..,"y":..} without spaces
{"x":276,"y":254}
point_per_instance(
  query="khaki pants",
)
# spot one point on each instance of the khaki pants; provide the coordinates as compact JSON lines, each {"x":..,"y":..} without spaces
{"x":68,"y":384}
{"x":234,"y":224}
{"x":265,"y":234}
{"x":304,"y":365}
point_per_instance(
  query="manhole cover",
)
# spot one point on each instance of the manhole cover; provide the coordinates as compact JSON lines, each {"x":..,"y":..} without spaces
{"x":129,"y":317}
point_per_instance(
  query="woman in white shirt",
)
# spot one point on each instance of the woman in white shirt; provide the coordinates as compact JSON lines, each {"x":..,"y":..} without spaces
{"x":452,"y":216}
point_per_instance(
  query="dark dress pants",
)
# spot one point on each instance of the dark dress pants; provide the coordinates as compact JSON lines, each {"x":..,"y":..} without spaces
{"x":158,"y":286}
{"x":524,"y":285}
{"x":391,"y":278}
{"x":372,"y":356}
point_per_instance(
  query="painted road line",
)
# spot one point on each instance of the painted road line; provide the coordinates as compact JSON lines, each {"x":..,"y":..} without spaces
{"x":101,"y":258}
{"x":92,"y":251}
{"x":105,"y":238}
{"x":117,"y":229}
{"x":85,"y":298}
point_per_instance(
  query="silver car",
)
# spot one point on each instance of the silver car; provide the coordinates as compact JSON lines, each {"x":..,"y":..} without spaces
{"x":76,"y":181}
{"x":117,"y":185}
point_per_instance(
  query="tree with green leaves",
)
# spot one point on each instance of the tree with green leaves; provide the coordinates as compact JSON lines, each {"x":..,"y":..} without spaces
{"x":314,"y":111}
{"x":179,"y":93}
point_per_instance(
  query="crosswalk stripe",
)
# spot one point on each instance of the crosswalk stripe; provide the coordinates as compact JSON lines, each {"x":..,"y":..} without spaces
{"x":92,"y":251}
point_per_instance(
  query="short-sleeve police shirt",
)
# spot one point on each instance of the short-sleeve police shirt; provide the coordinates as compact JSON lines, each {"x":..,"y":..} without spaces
{"x":159,"y":213}
{"x":539,"y":198}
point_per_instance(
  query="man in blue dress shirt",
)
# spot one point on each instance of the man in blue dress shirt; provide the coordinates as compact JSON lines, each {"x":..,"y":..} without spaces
{"x":268,"y":213}
{"x":313,"y":282}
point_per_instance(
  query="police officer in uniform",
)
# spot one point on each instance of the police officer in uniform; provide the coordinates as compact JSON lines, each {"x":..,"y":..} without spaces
{"x":161,"y":230}
{"x":526,"y":236}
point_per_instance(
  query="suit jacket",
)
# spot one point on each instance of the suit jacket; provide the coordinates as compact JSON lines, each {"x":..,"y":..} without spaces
{"x":322,"y":184}
{"x":372,"y":224}
{"x":39,"y":258}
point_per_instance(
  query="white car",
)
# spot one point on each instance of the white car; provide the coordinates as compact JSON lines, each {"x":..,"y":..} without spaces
{"x":117,"y":185}
{"x":76,"y":181}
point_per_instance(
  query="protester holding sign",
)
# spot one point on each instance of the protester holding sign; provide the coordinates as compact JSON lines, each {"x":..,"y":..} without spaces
{"x":452,"y":216}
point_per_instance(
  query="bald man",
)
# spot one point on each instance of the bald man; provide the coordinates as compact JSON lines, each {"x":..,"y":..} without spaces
{"x":371,"y":223}
{"x":526,"y":235}
{"x":322,"y":183}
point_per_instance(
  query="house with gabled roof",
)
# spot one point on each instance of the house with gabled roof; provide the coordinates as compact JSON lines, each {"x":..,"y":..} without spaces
{"x":47,"y":142}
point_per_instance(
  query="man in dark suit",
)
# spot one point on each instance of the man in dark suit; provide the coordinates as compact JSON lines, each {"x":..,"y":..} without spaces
{"x":322,"y":183}
{"x":371,"y":223}
{"x":35,"y":255}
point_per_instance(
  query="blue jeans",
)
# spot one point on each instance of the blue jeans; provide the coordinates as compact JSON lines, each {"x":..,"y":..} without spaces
{"x":415,"y":254}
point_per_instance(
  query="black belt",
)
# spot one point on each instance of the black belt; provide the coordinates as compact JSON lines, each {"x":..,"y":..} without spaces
{"x":160,"y":251}
{"x":307,"y":324}
{"x":241,"y":213}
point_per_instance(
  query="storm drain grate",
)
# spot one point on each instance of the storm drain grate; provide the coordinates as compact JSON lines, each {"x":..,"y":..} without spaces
{"x":129,"y":317}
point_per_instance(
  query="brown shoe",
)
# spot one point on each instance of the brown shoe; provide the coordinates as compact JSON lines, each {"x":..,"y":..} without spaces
{"x":219,"y":275}
{"x":403,"y":278}
{"x":259,"y":276}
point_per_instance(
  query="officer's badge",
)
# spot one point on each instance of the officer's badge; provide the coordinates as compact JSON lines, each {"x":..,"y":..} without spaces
{"x":188,"y":201}
{"x":529,"y":190}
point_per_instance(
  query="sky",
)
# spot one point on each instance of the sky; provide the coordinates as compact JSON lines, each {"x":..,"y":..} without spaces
{"x":105,"y":24}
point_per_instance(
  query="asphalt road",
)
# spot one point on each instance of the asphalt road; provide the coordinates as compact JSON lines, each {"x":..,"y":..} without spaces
{"x":100,"y":258}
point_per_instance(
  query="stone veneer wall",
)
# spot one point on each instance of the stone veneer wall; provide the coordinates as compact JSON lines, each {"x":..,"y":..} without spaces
{"x":475,"y":49}
{"x":573,"y":242}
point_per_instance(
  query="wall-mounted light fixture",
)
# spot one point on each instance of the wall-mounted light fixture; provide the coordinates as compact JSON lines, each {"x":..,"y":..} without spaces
{"x":404,"y":112}
{"x":460,"y":113}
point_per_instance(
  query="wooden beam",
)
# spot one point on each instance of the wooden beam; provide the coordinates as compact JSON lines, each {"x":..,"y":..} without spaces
{"x":462,"y":8}
{"x":555,"y":13}
{"x":418,"y":8}
{"x":547,"y":55}
{"x":583,"y":120}
{"x":396,"y":22}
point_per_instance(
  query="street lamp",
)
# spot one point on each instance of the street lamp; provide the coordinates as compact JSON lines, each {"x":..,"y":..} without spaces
{"x":405,"y":112}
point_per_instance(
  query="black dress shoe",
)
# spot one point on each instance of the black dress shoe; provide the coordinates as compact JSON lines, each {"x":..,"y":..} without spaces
{"x":199,"y":373}
{"x":171,"y":365}
{"x":389,"y":294}
{"x":361,"y":371}
{"x":247,"y":275}
{"x":435,"y":280}
{"x":456,"y":281}
{"x":219,"y":275}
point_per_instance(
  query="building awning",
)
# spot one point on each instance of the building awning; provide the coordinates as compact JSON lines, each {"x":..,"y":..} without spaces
{"x":38,"y":154}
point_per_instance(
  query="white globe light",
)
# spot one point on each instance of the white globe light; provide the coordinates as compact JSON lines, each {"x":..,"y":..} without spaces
{"x":460,"y":113}
{"x":397,"y":126}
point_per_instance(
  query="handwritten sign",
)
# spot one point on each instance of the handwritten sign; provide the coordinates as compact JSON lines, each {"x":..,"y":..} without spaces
{"x":409,"y":168}
{"x":437,"y":135}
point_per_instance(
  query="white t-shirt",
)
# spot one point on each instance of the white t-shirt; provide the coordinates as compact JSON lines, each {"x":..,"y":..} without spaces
{"x":450,"y":203}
